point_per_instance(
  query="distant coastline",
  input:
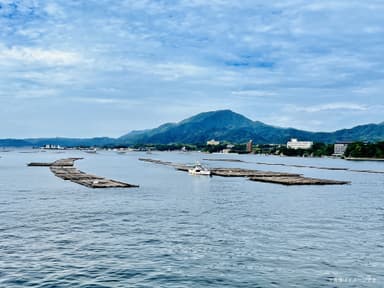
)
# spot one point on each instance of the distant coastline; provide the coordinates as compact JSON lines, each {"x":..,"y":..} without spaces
{"x":224,"y":126}
{"x":363,"y":159}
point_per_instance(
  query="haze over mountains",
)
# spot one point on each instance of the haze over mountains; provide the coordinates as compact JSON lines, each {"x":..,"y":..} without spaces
{"x":223,"y":125}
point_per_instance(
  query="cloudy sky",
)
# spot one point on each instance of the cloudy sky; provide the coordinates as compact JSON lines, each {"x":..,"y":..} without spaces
{"x":103,"y":67}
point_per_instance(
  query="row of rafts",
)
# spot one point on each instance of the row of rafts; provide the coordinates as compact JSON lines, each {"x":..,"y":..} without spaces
{"x":65,"y":169}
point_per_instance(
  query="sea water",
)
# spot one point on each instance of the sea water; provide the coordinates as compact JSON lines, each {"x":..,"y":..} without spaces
{"x":179,"y":230}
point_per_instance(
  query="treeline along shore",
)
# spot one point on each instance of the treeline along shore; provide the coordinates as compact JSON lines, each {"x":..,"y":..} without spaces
{"x":355,"y":150}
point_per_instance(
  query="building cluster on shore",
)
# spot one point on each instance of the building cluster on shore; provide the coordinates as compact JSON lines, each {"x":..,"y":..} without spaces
{"x":296,"y":144}
{"x":338,"y":148}
{"x":213,"y":145}
{"x":293,"y":147}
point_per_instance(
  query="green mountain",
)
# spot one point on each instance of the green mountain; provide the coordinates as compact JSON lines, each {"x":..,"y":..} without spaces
{"x":368,"y":132}
{"x":196,"y":129}
{"x":14,"y":143}
{"x":225,"y":125}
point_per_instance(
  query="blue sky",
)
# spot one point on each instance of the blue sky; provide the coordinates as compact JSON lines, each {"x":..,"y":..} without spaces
{"x":103,"y":68}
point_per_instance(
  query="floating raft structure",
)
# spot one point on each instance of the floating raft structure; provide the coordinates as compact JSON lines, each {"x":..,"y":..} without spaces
{"x":64,"y":169}
{"x":256,"y":175}
{"x":305,"y":166}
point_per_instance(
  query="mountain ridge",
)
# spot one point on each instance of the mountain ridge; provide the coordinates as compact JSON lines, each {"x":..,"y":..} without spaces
{"x":222,"y":125}
{"x":226,"y":125}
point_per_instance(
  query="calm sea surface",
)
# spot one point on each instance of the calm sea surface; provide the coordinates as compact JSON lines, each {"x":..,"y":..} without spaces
{"x":178,"y":230}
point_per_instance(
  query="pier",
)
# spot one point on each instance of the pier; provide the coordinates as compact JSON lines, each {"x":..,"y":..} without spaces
{"x":255,"y":175}
{"x":64,"y":169}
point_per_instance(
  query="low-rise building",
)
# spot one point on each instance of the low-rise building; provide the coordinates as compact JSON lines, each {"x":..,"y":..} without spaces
{"x":52,"y":147}
{"x":296,"y":144}
{"x":249,"y":146}
{"x":213,"y":142}
{"x":339,"y":148}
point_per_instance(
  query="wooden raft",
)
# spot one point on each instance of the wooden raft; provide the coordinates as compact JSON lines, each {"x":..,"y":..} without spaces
{"x":64,"y":169}
{"x":256,"y":175}
{"x":304,"y":166}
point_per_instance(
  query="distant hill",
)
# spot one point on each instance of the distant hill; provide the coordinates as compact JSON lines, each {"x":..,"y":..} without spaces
{"x":71,"y":142}
{"x":14,"y":143}
{"x":65,"y":142}
{"x":223,"y":125}
{"x":368,"y":132}
{"x":196,"y":129}
{"x":226,"y":125}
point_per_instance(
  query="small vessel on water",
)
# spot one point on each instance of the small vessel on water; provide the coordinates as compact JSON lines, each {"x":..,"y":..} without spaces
{"x":91,"y":151}
{"x":198,"y":169}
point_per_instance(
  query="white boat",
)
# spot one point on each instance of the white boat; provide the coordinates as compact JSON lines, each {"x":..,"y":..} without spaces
{"x":198,"y":169}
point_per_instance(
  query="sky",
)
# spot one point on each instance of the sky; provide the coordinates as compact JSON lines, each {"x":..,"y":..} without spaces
{"x":105,"y":67}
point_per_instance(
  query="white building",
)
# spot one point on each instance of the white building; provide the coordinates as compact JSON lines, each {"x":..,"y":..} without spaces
{"x":52,"y":147}
{"x":213,"y":142}
{"x":339,"y":148}
{"x":295,"y":144}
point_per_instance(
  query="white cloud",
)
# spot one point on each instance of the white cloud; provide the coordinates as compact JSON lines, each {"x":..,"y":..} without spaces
{"x":330,"y":106}
{"x":38,"y":55}
{"x":211,"y":3}
{"x":173,"y":71}
{"x":105,"y":101}
{"x":32,"y":93}
{"x":249,"y":55}
{"x":165,"y":70}
{"x":253,"y":93}
{"x":37,"y":93}
{"x":53,"y":9}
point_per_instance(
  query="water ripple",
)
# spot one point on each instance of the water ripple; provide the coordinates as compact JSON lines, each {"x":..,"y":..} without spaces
{"x":178,"y":231}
